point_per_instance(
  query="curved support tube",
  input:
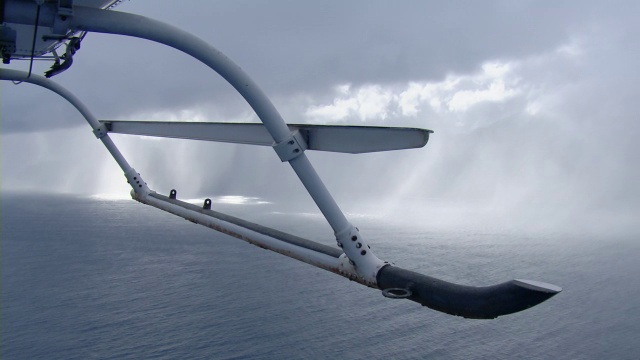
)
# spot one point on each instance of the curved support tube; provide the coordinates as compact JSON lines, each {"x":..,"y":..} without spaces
{"x":132,"y":176}
{"x":113,"y":22}
{"x":121,"y":23}
{"x":17,"y":75}
{"x":487,"y":302}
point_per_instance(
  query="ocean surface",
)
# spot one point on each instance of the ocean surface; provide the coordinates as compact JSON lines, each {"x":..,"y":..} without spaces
{"x":88,"y":278}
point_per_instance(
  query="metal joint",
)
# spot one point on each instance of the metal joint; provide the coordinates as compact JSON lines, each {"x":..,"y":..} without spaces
{"x":62,"y":20}
{"x":135,"y":180}
{"x":65,"y":7}
{"x":360,"y":255}
{"x":292,"y":147}
{"x":347,"y":268}
{"x":100,"y":131}
{"x":60,"y":25}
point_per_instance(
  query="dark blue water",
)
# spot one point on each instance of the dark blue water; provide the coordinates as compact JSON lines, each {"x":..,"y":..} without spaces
{"x":93,"y":279}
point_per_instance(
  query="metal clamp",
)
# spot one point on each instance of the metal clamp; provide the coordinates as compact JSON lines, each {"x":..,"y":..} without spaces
{"x":100,"y":131}
{"x":64,"y":14}
{"x":292,"y":147}
{"x":135,"y":180}
{"x":65,"y":7}
{"x":360,"y":255}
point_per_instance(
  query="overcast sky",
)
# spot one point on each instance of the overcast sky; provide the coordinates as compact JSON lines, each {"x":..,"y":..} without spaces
{"x":534,"y":104}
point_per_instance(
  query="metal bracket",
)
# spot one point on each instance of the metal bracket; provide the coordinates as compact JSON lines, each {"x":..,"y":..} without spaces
{"x":100,"y":131}
{"x":348,"y":269}
{"x":62,"y":19}
{"x":60,"y":25}
{"x":292,"y":147}
{"x":207,"y":204}
{"x":65,"y":7}
{"x":135,"y":180}
{"x":359,"y":254}
{"x":7,"y":43}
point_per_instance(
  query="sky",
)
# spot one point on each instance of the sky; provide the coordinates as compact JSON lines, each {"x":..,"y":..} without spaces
{"x":533,"y":105}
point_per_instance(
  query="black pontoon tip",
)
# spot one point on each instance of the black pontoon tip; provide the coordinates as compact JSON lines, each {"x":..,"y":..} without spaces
{"x":486,"y":302}
{"x":538,"y":286}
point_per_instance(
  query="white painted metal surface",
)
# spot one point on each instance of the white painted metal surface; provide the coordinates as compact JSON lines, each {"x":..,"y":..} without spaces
{"x":308,"y":256}
{"x":341,"y":139}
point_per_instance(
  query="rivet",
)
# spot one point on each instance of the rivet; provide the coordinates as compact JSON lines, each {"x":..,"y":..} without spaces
{"x":135,"y":178}
{"x":296,"y":151}
{"x":291,"y":142}
{"x":363,"y":252}
{"x":358,"y":245}
{"x":140,"y":185}
{"x":354,"y":238}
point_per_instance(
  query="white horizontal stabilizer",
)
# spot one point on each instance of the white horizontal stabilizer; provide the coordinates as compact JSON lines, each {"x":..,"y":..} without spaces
{"x":343,"y":139}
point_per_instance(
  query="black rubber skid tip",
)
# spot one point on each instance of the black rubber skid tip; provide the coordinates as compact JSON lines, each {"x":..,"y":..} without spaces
{"x":472,"y":302}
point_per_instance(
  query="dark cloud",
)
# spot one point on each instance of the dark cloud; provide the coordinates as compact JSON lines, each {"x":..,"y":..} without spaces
{"x":293,"y":47}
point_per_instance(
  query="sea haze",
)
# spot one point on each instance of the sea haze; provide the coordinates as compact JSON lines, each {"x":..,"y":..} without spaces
{"x":85,"y":278}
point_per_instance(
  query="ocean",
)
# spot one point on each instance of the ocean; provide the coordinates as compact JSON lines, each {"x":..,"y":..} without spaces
{"x":89,"y":278}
